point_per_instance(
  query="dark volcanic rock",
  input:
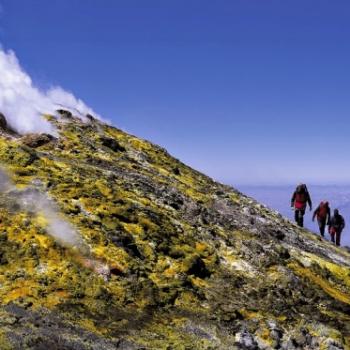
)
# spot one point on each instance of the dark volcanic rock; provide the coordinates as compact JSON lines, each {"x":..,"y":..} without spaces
{"x":37,"y":140}
{"x":43,"y":329}
{"x":5,"y":127}
{"x":112,"y":144}
{"x":3,"y":122}
{"x":126,"y":241}
{"x":91,"y":118}
{"x":198,"y":268}
{"x":64,"y":113}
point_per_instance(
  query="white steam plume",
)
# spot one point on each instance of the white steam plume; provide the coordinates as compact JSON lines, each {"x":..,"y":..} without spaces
{"x":33,"y":201}
{"x":23,"y":104}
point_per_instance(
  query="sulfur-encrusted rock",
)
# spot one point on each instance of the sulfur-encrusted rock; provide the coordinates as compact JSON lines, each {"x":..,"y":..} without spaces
{"x":166,"y":258}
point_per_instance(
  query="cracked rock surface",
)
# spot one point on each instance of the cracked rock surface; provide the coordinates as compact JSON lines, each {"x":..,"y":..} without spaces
{"x":193,"y":264}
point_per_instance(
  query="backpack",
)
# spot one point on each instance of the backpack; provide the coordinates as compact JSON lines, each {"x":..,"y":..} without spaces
{"x":300,"y":200}
{"x":323,"y":210}
{"x":337,"y":222}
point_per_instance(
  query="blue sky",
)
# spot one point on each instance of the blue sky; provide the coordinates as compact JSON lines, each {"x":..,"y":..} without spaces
{"x":247,"y":91}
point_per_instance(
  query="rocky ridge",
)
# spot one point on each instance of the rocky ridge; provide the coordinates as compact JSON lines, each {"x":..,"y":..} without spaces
{"x":192,"y":264}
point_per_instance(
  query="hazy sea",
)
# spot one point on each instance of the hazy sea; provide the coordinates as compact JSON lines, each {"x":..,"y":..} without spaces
{"x":279,"y":197}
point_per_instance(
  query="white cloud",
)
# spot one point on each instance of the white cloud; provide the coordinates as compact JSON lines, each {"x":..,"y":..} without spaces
{"x":23,"y":104}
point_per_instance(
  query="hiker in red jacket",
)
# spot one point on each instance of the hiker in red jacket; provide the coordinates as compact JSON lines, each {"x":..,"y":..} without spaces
{"x":323,"y":214}
{"x":300,"y":199}
{"x":336,"y":226}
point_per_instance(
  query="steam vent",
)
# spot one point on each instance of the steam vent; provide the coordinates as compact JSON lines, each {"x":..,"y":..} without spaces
{"x":107,"y":242}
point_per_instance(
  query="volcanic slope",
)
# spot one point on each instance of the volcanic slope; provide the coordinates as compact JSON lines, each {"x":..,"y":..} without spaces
{"x":168,"y":258}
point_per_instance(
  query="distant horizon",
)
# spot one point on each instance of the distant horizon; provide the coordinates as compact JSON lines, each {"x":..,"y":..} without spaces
{"x":278,"y":198}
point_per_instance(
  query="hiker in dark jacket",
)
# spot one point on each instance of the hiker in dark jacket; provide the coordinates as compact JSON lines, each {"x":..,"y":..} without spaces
{"x":336,"y":226}
{"x":323,"y":214}
{"x":300,"y":199}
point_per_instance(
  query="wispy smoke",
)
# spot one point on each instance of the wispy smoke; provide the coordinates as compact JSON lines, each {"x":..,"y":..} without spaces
{"x":33,"y":201}
{"x":23,"y":104}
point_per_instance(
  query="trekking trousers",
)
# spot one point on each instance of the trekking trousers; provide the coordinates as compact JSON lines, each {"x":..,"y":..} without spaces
{"x":321,"y":226}
{"x":335,"y":233}
{"x":299,"y":216}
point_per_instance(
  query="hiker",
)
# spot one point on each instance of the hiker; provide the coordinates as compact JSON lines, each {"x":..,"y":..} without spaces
{"x":300,"y":199}
{"x":323,"y":214}
{"x":336,"y":226}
